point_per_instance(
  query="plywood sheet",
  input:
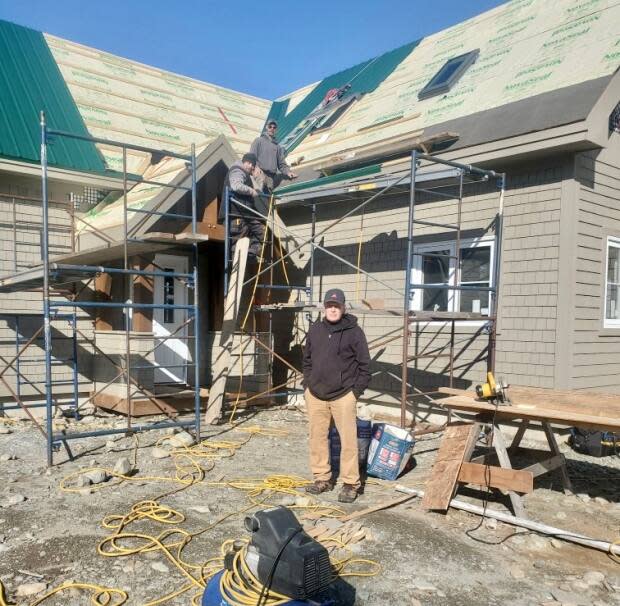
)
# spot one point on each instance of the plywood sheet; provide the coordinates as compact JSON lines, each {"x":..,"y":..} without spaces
{"x":537,"y":413}
{"x":456,"y":446}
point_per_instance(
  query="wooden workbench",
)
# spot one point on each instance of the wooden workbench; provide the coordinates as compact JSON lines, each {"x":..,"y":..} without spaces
{"x":587,"y":410}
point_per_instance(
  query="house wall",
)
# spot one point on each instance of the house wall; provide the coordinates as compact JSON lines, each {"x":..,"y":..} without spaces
{"x":20,"y":237}
{"x":594,"y":351}
{"x":530,"y":272}
{"x":528,"y":288}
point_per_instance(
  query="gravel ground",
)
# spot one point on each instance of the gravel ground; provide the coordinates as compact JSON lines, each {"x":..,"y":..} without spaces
{"x":49,"y":536}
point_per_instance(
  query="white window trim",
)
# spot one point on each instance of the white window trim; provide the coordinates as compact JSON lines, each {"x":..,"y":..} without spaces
{"x":609,"y":323}
{"x":453,"y":295}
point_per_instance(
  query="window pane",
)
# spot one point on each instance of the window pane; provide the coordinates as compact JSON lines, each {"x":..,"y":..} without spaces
{"x":435,"y":269}
{"x":435,"y":300}
{"x":475,"y":301}
{"x":476,"y":264}
{"x":612,"y":310}
{"x":613,"y":266}
{"x":168,"y":297}
{"x":446,"y":72}
{"x":613,"y":313}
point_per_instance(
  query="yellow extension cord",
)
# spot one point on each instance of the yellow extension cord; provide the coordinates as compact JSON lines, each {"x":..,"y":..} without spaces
{"x":173,"y":540}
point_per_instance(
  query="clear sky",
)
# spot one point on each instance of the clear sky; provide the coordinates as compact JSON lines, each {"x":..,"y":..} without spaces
{"x":265,"y":48}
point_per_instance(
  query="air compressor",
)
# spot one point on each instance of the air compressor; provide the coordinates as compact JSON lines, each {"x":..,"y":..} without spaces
{"x":280,"y":559}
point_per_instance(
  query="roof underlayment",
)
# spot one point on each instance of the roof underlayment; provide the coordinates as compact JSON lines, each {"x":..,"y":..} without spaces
{"x":527,"y":48}
{"x":126,"y":101}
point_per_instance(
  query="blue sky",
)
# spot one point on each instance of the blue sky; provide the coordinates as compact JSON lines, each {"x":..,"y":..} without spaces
{"x":266,"y":49}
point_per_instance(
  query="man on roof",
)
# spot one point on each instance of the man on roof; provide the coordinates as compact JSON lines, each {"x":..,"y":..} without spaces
{"x":271,"y":158}
{"x":242,"y":191}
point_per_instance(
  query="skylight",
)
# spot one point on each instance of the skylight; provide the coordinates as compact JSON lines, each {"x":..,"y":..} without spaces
{"x":448,"y":75}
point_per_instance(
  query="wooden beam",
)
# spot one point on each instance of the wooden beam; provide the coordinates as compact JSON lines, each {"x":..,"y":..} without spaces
{"x":221,"y":367}
{"x":545,"y":466}
{"x":213,"y":231}
{"x":103,"y":288}
{"x":456,"y":446}
{"x":496,"y":477}
{"x":142,"y":320}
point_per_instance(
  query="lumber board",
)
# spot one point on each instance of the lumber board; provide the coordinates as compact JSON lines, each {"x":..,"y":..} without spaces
{"x":586,"y":402}
{"x":145,"y":407}
{"x":456,"y":446}
{"x":545,"y":466}
{"x":497,"y":477}
{"x":379,"y":507}
{"x":522,"y":411}
{"x":222,"y":364}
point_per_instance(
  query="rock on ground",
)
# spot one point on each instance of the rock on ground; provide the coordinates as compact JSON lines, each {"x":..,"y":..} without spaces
{"x":29,"y":589}
{"x":123,"y":466}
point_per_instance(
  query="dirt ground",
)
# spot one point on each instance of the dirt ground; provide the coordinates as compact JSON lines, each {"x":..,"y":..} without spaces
{"x":50,"y":536}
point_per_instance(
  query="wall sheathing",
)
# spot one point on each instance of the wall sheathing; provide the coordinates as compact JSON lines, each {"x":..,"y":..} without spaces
{"x":594,"y":350}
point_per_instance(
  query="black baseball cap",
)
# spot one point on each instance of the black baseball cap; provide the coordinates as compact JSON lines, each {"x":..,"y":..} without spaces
{"x":271,"y":122}
{"x":334,"y":295}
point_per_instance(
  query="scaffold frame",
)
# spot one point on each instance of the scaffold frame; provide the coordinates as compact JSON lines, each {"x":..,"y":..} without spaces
{"x":403,"y":180}
{"x":54,"y":309}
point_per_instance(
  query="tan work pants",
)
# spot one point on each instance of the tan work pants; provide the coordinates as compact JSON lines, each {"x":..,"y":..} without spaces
{"x":344,"y":412}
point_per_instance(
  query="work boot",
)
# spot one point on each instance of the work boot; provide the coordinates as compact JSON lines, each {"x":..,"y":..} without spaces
{"x":319,"y":486}
{"x":348,"y":494}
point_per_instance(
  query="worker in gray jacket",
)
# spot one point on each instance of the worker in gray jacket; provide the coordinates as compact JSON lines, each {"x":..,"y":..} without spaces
{"x":241,"y":191}
{"x":271,"y":158}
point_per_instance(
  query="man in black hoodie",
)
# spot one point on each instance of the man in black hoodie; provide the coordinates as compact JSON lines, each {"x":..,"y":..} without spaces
{"x":336,"y":373}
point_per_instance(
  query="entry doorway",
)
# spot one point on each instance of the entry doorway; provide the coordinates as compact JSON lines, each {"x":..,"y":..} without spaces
{"x":173,"y":353}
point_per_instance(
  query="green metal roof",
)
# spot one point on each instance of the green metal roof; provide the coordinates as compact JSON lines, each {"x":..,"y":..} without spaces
{"x":364,"y":78}
{"x":349,"y":174}
{"x":30,"y":81}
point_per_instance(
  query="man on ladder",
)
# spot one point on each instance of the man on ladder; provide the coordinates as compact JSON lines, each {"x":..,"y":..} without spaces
{"x":241,"y":189}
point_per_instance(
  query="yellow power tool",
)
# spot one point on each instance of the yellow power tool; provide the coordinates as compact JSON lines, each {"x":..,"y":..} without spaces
{"x":492,"y":390}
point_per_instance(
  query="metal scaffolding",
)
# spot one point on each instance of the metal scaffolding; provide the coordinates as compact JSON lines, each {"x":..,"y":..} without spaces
{"x":426,"y":178}
{"x":50,"y":274}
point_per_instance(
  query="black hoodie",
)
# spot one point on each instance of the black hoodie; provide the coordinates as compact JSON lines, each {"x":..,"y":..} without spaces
{"x":336,"y":359}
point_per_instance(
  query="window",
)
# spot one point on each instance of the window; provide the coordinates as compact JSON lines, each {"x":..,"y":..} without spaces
{"x":168,"y":297}
{"x":434,"y":264}
{"x":448,"y":75}
{"x":333,"y":116}
{"x":614,"y":120}
{"x":612,"y":284}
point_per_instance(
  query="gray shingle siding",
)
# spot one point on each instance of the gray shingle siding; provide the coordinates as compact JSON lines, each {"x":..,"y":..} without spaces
{"x":595,"y":351}
{"x":18,"y":199}
{"x":529,"y":277}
